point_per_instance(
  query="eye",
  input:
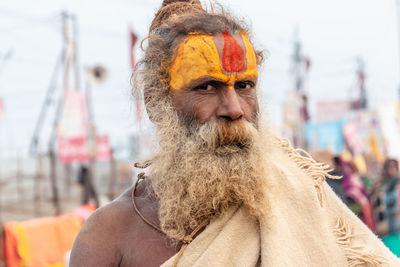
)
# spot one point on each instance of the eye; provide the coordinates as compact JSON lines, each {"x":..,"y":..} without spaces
{"x":244,"y":85}
{"x":205,"y":87}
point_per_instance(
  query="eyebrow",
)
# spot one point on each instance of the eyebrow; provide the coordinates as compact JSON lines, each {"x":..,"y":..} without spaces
{"x":202,"y":80}
{"x":250,"y":78}
{"x":207,"y":78}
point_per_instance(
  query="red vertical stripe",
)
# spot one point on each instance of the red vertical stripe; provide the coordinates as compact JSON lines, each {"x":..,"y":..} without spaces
{"x":232,"y":54}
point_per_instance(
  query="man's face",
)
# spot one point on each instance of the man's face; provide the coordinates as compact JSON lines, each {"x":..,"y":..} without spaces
{"x":203,"y":171}
{"x":214,"y":78}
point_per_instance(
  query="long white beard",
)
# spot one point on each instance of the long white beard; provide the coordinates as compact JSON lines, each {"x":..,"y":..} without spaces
{"x":201,"y":174}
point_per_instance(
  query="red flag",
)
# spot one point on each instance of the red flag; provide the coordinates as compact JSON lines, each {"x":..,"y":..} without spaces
{"x":72,"y":129}
{"x":103,"y":148}
{"x":133,"y":39}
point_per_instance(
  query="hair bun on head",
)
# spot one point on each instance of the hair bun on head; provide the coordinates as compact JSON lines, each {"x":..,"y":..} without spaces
{"x":194,"y":2}
{"x":172,"y":8}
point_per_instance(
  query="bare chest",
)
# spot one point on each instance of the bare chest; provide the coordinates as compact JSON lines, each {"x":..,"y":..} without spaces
{"x":150,"y":249}
{"x":142,"y":244}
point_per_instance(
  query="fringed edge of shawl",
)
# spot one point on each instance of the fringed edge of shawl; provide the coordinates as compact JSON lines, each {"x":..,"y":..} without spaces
{"x":355,"y":255}
{"x":317,"y":170}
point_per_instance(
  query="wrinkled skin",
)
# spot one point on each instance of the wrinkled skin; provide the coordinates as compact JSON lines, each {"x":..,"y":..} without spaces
{"x":115,"y":235}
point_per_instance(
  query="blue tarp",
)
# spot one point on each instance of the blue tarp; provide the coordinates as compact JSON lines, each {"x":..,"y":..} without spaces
{"x":325,"y":135}
{"x":393,"y":243}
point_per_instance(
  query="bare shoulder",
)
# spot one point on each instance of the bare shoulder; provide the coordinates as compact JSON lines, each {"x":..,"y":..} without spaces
{"x":101,"y":239}
{"x":116,"y":235}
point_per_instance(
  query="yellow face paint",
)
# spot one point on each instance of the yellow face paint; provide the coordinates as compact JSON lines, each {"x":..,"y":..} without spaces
{"x":198,"y":56}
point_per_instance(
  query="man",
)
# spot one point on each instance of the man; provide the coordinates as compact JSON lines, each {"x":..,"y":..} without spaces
{"x":85,"y":180}
{"x":386,"y":199}
{"x":222,"y":190}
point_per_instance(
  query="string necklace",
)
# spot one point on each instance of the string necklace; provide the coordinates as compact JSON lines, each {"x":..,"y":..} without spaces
{"x":185,"y":240}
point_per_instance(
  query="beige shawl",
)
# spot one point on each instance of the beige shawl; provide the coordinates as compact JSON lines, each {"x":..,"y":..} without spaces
{"x":309,"y":226}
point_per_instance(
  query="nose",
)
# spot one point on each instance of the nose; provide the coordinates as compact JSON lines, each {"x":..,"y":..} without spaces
{"x":229,"y":108}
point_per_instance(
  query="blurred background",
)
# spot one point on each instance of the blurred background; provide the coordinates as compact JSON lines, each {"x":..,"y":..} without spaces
{"x":70,"y":130}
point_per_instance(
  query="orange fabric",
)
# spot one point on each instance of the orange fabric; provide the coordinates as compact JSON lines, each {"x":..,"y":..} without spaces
{"x":376,"y":151}
{"x":43,"y":241}
{"x":10,"y":242}
{"x":49,"y":239}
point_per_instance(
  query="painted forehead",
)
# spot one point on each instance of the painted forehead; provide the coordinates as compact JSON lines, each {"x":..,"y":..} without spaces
{"x":223,"y":56}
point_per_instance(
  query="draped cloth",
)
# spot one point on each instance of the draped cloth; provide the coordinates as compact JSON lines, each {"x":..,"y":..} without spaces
{"x":307,"y":225}
{"x":42,"y":242}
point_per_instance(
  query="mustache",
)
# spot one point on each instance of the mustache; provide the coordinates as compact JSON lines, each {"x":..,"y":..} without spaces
{"x":223,"y":134}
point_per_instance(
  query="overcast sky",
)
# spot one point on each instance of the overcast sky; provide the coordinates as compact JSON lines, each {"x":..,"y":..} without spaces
{"x":333,"y":35}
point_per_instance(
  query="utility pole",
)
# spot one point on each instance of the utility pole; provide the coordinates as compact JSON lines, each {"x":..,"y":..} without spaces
{"x":67,"y":67}
{"x":361,"y":83}
{"x":299,"y":71}
{"x":297,"y":60}
{"x":66,"y":59}
{"x":398,"y":39}
{"x":3,"y":62}
{"x":361,"y":102}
